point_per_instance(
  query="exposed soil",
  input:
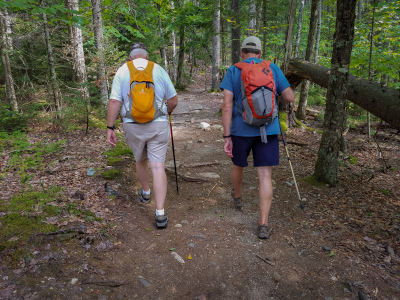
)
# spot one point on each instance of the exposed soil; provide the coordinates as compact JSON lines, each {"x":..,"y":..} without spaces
{"x":343,"y":245}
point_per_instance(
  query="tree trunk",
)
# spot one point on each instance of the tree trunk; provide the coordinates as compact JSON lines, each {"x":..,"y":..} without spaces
{"x":252,"y":18}
{"x":264,"y":29}
{"x":381,"y":101}
{"x":99,"y":42}
{"x":223,"y":48}
{"x":53,"y":76}
{"x":163,"y":52}
{"x":318,"y":32}
{"x":235,"y":32}
{"x":179,"y":74}
{"x":173,"y":37}
{"x":335,"y":119}
{"x":6,"y":63}
{"x":7,"y":22}
{"x":216,"y":47}
{"x":359,"y":12}
{"x":76,"y":46}
{"x":299,"y":24}
{"x":302,"y":106}
{"x":291,"y":15}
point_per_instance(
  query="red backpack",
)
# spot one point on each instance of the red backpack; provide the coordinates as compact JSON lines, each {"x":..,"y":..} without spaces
{"x":258,"y":95}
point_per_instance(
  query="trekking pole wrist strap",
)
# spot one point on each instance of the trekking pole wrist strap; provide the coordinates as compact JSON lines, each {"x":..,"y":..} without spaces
{"x":226,"y":136}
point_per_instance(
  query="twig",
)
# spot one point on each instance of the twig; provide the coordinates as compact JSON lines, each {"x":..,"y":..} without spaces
{"x":265,"y":260}
{"x":66,"y":230}
{"x":109,"y":283}
{"x":212,"y":190}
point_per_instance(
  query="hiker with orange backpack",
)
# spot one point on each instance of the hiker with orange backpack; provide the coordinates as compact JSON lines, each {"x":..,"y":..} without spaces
{"x":146,"y":94}
{"x":250,"y":122}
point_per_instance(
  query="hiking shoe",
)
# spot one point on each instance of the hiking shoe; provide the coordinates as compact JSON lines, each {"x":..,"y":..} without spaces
{"x":263,"y":232}
{"x":161,"y":221}
{"x":238,"y":202}
{"x":143,"y":197}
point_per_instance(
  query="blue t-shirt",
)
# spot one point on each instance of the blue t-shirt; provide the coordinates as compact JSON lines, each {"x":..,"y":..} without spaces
{"x":231,"y":82}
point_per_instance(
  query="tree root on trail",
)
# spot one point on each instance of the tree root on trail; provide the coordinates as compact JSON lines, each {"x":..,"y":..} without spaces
{"x":187,"y":177}
{"x":109,"y":283}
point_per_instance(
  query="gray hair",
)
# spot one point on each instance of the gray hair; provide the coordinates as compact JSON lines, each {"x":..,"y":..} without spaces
{"x":139,"y":53}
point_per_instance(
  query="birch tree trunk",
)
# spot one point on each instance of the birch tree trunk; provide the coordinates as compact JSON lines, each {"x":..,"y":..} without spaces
{"x":301,"y":108}
{"x":99,"y":42}
{"x":76,"y":46}
{"x":326,"y":168}
{"x":253,"y":18}
{"x":53,"y":76}
{"x":173,"y":38}
{"x":12,"y":99}
{"x":299,"y":24}
{"x":235,"y":32}
{"x":216,"y":42}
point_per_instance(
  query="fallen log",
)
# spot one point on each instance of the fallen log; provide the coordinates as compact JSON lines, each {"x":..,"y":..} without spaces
{"x":381,"y":101}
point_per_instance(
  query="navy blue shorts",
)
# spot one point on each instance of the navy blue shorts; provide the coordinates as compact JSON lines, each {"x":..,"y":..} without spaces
{"x":264,"y":154}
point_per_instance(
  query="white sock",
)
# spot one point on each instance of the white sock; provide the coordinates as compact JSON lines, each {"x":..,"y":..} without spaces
{"x":147,"y":193}
{"x":159,"y":212}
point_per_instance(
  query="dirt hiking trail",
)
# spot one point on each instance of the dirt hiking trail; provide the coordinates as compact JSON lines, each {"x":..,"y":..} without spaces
{"x":343,"y":245}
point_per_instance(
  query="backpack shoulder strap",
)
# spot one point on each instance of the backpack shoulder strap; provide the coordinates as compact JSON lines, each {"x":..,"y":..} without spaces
{"x":132,"y":68}
{"x":149,"y":69}
{"x":241,"y":65}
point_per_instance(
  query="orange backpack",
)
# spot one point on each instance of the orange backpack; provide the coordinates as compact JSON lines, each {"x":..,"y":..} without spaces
{"x":142,"y":105}
{"x":258,"y":91}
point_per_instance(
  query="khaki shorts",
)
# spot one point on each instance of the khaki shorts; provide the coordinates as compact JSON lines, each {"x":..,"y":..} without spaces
{"x":148,"y":140}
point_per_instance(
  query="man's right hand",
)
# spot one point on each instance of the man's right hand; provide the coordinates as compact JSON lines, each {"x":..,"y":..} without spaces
{"x":112,"y":137}
{"x":228,"y":147}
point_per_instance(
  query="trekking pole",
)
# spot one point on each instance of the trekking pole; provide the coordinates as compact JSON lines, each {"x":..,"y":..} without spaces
{"x":173,"y":153}
{"x":290,"y":163}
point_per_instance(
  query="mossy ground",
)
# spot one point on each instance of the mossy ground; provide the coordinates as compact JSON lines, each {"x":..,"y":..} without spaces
{"x":120,"y":149}
{"x":111,"y":174}
{"x":313,"y":181}
{"x":25,"y":216}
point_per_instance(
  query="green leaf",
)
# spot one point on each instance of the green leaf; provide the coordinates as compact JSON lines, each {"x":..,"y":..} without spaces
{"x":332,"y":253}
{"x":171,"y":249}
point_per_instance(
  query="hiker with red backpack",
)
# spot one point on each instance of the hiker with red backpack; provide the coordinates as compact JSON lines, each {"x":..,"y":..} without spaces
{"x":146,"y":94}
{"x":250,"y":122}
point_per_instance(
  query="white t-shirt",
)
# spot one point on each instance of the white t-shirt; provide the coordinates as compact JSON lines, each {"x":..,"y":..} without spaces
{"x":164,"y":89}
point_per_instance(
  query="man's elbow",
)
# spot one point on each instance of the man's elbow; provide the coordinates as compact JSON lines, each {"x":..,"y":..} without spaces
{"x":288,"y":96}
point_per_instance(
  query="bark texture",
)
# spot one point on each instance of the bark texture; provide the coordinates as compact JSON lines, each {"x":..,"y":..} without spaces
{"x":291,"y":15}
{"x":253,"y":18}
{"x":302,"y":106}
{"x":235,"y":32}
{"x":216,"y":43}
{"x":6,"y":62}
{"x":299,"y":24}
{"x":173,"y":38}
{"x":179,"y":73}
{"x":381,"y":101}
{"x":326,"y":168}
{"x":53,"y":76}
{"x":99,"y":42}
{"x":76,"y":49}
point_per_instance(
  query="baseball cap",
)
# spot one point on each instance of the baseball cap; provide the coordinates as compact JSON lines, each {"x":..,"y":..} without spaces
{"x":252,"y":42}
